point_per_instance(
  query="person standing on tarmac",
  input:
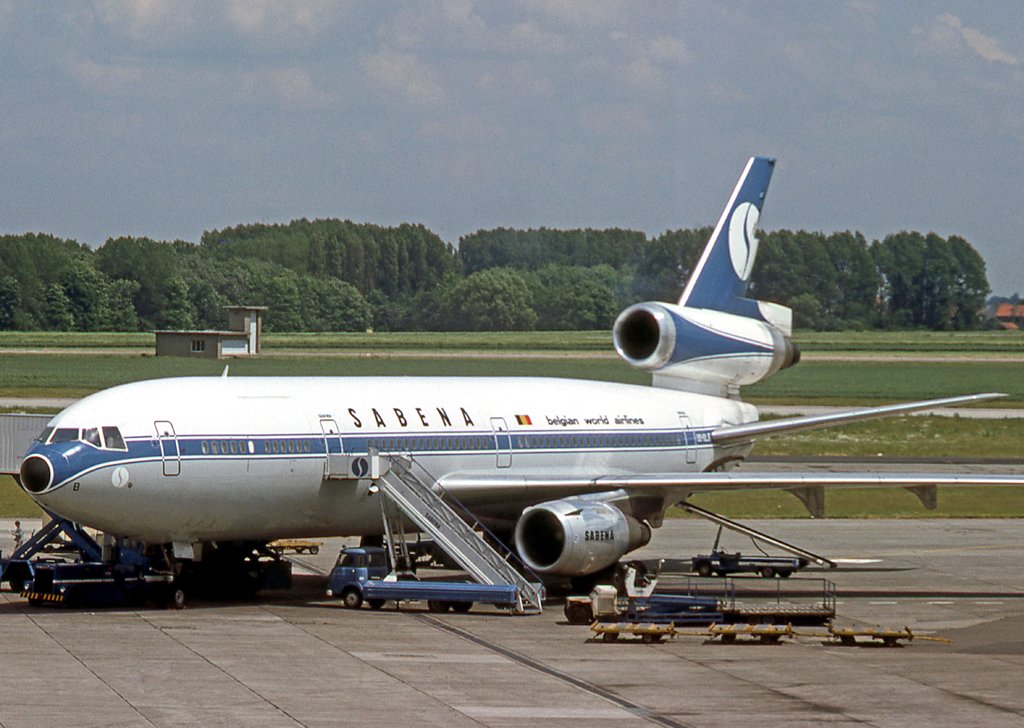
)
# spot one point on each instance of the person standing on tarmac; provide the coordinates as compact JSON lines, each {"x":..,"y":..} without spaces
{"x":19,"y":535}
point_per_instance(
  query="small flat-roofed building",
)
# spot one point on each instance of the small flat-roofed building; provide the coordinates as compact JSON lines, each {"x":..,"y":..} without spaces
{"x":245,"y":328}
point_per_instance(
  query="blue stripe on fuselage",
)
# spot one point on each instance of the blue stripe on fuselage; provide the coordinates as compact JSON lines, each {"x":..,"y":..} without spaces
{"x":75,"y":459}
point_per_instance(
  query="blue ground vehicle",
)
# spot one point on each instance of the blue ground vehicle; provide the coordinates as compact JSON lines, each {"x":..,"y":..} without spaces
{"x":359,"y":575}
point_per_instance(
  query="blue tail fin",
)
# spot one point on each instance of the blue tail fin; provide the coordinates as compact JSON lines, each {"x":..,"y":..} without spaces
{"x":719,"y":282}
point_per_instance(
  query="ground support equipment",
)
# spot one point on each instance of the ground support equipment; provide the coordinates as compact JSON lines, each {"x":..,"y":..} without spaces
{"x":455,"y":532}
{"x":848,"y":636}
{"x":722,"y":521}
{"x":764,"y":633}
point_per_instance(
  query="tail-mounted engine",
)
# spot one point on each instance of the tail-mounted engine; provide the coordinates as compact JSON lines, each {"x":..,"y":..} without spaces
{"x":704,"y":350}
{"x":576,"y":536}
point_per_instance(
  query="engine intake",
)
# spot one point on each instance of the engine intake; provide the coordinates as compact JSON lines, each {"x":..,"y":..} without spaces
{"x":576,"y":536}
{"x":704,"y":349}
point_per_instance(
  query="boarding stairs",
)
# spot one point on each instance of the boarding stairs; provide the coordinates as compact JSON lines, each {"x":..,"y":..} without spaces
{"x":459,"y":538}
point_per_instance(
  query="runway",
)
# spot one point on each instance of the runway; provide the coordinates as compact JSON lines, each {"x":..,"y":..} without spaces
{"x":298,"y":659}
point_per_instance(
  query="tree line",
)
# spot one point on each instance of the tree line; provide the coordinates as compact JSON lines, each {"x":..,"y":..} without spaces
{"x":336,"y":275}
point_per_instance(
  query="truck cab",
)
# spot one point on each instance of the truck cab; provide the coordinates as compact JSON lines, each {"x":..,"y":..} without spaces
{"x":355,"y":566}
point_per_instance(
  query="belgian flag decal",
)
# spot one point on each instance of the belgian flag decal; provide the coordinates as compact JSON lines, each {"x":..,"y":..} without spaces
{"x":524,"y":419}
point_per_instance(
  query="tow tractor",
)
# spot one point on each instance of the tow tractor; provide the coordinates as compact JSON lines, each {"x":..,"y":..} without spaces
{"x":362,"y":574}
{"x":123,"y":572}
{"x":118,"y":575}
{"x":634,"y":600}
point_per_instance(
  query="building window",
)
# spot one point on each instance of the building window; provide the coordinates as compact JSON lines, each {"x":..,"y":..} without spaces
{"x":198,"y":346}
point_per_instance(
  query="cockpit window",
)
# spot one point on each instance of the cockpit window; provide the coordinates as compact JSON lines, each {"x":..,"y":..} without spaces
{"x":65,"y":434}
{"x":45,"y":435}
{"x":113,"y":439}
{"x":91,"y":435}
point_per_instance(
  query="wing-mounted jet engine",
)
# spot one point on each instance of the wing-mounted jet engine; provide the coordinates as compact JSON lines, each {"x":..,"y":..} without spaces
{"x":715,"y":340}
{"x":578,"y":536}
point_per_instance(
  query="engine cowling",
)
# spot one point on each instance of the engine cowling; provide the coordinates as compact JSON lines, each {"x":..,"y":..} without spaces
{"x":575,"y":536}
{"x":715,"y":348}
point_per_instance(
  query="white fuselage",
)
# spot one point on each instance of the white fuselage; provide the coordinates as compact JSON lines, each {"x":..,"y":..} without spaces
{"x":229,"y":458}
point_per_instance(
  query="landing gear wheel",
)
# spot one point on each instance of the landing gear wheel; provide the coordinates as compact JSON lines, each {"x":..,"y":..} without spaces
{"x":176,"y":598}
{"x":578,"y":613}
{"x":351,"y":598}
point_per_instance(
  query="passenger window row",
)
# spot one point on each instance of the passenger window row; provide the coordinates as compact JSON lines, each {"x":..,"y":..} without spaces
{"x":227,"y":447}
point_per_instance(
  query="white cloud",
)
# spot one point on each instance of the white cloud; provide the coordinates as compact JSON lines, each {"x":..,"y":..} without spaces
{"x":531,"y":37}
{"x":294,"y":87}
{"x":294,"y":19}
{"x":668,"y":49}
{"x":593,"y":13}
{"x":617,"y":121}
{"x":107,"y":77}
{"x":151,"y":21}
{"x":946,"y":33}
{"x":403,"y":74}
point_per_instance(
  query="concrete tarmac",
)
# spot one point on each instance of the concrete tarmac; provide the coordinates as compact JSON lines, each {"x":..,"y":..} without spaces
{"x":299,"y":659}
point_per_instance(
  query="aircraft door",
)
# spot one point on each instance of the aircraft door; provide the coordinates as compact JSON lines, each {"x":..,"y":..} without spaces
{"x":691,"y":450}
{"x":334,"y":450}
{"x":502,"y":442}
{"x":169,"y":452}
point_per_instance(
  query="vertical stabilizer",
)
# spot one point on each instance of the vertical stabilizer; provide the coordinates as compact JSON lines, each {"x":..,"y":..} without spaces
{"x":715,"y":339}
{"x":719,"y":282}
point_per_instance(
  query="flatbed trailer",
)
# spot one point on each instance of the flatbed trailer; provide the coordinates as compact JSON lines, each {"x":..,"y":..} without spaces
{"x":721,"y":563}
{"x":296,"y":545}
{"x":441,"y":596}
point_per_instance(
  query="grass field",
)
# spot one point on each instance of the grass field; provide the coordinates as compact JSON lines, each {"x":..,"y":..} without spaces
{"x":878,"y":381}
{"x":822,"y":382}
{"x":954,"y":502}
{"x":970,"y":343}
{"x":967,"y":343}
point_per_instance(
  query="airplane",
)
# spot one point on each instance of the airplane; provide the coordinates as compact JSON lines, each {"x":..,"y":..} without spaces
{"x":575,"y":473}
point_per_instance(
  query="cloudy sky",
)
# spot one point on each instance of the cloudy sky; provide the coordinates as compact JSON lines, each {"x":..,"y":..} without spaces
{"x":165,"y":119}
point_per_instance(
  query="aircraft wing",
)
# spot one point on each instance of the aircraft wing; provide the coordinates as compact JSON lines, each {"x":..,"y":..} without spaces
{"x":671,"y":488}
{"x":484,"y":488}
{"x":749,"y":431}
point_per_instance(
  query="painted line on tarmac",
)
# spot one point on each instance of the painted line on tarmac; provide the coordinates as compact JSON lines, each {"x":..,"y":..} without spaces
{"x":629,"y":706}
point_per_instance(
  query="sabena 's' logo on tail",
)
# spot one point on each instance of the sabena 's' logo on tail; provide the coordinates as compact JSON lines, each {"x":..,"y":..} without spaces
{"x":743,"y":239}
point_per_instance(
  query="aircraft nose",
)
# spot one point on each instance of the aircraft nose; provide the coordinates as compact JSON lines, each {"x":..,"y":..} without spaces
{"x":36,"y":474}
